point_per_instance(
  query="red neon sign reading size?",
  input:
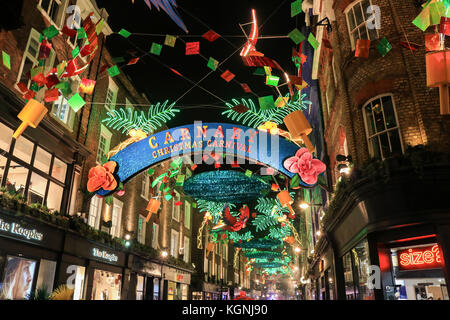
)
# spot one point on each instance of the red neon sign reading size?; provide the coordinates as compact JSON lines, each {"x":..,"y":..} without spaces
{"x":420,"y":258}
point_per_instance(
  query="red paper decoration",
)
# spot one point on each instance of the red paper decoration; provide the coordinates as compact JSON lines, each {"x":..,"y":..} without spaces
{"x":211,"y":36}
{"x":246,"y":87}
{"x":362,"y":48}
{"x":192,"y":48}
{"x":444,"y":27}
{"x":240,"y":108}
{"x":133,"y":61}
{"x":87,"y":86}
{"x":432,"y":42}
{"x":227,"y":76}
{"x":178,"y":203}
{"x":51,"y":95}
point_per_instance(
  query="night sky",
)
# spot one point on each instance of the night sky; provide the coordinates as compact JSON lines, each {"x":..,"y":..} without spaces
{"x":159,"y":83}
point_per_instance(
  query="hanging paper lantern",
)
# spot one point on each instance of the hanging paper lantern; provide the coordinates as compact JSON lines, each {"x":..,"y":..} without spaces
{"x":31,"y":115}
{"x":299,"y":127}
{"x":438,"y":75}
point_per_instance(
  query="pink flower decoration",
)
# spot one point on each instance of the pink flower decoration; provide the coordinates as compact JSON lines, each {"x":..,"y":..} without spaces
{"x":304,"y":164}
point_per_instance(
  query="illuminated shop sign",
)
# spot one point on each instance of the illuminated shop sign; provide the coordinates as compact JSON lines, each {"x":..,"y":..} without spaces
{"x":105,"y":255}
{"x":420,"y":258}
{"x":17,"y":230}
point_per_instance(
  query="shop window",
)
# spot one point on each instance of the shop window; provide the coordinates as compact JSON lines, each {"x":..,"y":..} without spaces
{"x":2,"y":168}
{"x":23,"y":149}
{"x":42,"y":160}
{"x":140,"y":288}
{"x":155,"y":236}
{"x":116,"y":219}
{"x":145,"y":187}
{"x":17,"y":178}
{"x":95,"y":210}
{"x":176,"y":209}
{"x":106,"y":285}
{"x":187,"y":251}
{"x":73,"y":196}
{"x":104,"y":142}
{"x":155,"y":289}
{"x":171,"y":290}
{"x":174,"y":239}
{"x":78,"y":282}
{"x":382,"y":130}
{"x":36,"y":190}
{"x":18,"y":278}
{"x":5,"y":137}
{"x":187,"y":214}
{"x":46,"y":275}
{"x":53,"y":10}
{"x":62,"y":111}
{"x":350,"y":293}
{"x":357,"y":22}
{"x":362,"y":263}
{"x":59,"y":170}
{"x":184,"y":291}
{"x":111,"y":95}
{"x":142,"y":226}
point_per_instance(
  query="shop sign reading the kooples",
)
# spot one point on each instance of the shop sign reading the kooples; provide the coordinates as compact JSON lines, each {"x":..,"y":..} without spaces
{"x":18,"y":230}
{"x":102,"y":254}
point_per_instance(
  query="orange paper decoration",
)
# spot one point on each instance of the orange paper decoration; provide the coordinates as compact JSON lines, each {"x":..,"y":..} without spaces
{"x":31,"y":115}
{"x":438,"y":75}
{"x":362,"y":48}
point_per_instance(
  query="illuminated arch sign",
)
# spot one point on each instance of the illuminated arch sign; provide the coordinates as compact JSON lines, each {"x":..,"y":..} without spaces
{"x":234,"y":141}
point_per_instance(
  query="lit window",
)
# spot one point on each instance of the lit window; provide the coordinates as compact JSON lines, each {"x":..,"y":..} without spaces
{"x":62,"y":111}
{"x":142,"y":226}
{"x":111,"y":95}
{"x":116,"y":219}
{"x":53,"y":9}
{"x":5,"y":137}
{"x":155,"y":236}
{"x":186,"y":256}
{"x":174,"y":238}
{"x":30,"y":58}
{"x":187,"y":214}
{"x":357,"y":17}
{"x":103,"y":143}
{"x":145,"y":187}
{"x":95,"y":210}
{"x":176,"y":209}
{"x":382,"y":131}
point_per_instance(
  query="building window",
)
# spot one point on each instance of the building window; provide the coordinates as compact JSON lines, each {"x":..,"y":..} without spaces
{"x":62,"y":111}
{"x":30,"y":58}
{"x":111,"y":95}
{"x":145,"y":187}
{"x":176,"y":209}
{"x":187,"y":214}
{"x":187,"y":250}
{"x":116,"y":218}
{"x":382,"y":131}
{"x":225,"y":252}
{"x":95,"y":211}
{"x":28,"y":175}
{"x":53,"y":9}
{"x":142,"y":226}
{"x":174,"y":238}
{"x":155,"y":236}
{"x":104,"y":142}
{"x":357,"y":17}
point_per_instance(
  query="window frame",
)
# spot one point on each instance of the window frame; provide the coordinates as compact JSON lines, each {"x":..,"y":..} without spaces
{"x":114,"y":88}
{"x":116,"y":229}
{"x":350,"y":32}
{"x":141,"y":233}
{"x":107,"y":135}
{"x":71,"y":116}
{"x":176,"y":208}
{"x":187,"y":217}
{"x":10,"y":157}
{"x":155,"y":235}
{"x":60,"y":15}
{"x":96,"y":224}
{"x":145,"y":186}
{"x":378,"y":134}
{"x":187,"y":251}
{"x":176,"y":248}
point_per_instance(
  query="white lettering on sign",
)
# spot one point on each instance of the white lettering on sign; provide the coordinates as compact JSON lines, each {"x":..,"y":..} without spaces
{"x":104,"y":255}
{"x":17,"y":229}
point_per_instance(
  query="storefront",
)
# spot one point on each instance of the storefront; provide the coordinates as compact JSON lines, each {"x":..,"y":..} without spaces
{"x":176,"y":283}
{"x":324,"y":280}
{"x":29,"y":251}
{"x":147,"y":276}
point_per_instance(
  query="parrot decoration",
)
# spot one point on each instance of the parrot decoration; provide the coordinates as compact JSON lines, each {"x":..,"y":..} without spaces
{"x":232,"y":223}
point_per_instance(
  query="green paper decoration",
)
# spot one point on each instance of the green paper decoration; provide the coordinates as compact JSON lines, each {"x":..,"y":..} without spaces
{"x":431,"y":14}
{"x":64,"y":87}
{"x":384,"y":47}
{"x":296,"y":36}
{"x":6,"y":60}
{"x":113,"y":71}
{"x":180,"y":180}
{"x":213,"y":63}
{"x":76,"y":102}
{"x":127,"y":119}
{"x":259,"y":71}
{"x":75,"y":52}
{"x":50,"y":32}
{"x":124,"y":33}
{"x":118,"y":60}
{"x":157,"y":180}
{"x":272,"y":80}
{"x":100,"y":25}
{"x":166,"y":189}
{"x":313,"y":41}
{"x":150,"y":171}
{"x":156,"y":49}
{"x":81,"y":34}
{"x":248,"y":173}
{"x":296,"y":8}
{"x":168,"y":197}
{"x":266,"y":102}
{"x":170,"y":41}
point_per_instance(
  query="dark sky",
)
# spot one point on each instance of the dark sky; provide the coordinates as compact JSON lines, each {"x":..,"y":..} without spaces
{"x":199,"y":16}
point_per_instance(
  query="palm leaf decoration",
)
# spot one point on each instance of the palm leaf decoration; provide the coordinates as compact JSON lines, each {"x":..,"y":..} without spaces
{"x":236,"y":236}
{"x":126,"y":119}
{"x":279,"y":232}
{"x":255,"y":117}
{"x":215,"y":208}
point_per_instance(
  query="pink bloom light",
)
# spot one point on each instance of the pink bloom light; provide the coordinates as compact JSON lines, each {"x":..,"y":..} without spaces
{"x":304,"y":164}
